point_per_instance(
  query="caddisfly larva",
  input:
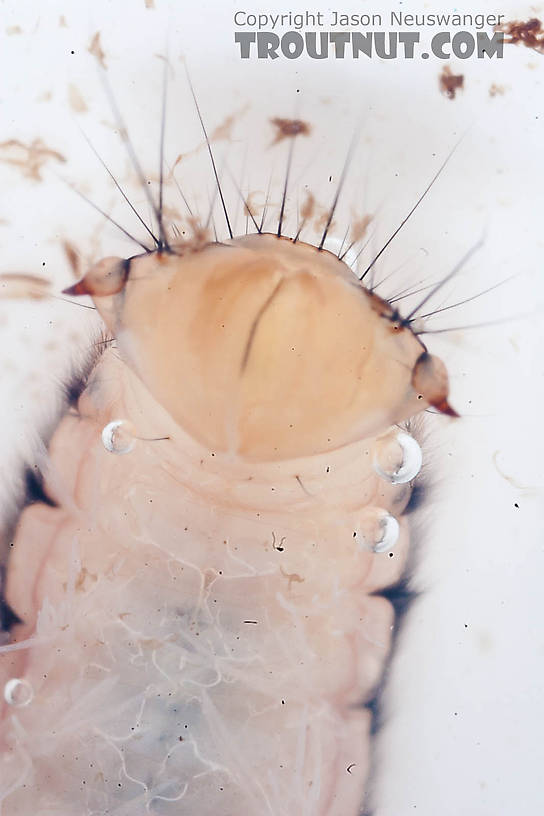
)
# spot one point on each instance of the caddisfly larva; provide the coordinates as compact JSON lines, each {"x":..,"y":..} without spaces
{"x":201,"y":597}
{"x":260,"y":387}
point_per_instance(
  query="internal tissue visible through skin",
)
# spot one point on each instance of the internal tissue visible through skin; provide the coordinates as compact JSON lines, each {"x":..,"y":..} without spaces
{"x":181,"y":661}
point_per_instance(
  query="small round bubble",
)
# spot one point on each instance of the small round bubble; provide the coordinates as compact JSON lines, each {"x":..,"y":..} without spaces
{"x":117,"y":437}
{"x":397,"y":457}
{"x":18,"y":692}
{"x":378,"y":530}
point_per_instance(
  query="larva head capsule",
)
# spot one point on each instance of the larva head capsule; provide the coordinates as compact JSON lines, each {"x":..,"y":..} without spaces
{"x":265,"y":348}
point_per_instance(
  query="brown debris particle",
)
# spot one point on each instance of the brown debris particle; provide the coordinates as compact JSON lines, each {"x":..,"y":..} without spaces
{"x":76,"y":101}
{"x":321,"y":222}
{"x":223,"y":131}
{"x":289,"y":128}
{"x":199,"y":237}
{"x":72,"y":258}
{"x":178,"y":160}
{"x":291,"y":576}
{"x":250,"y":208}
{"x":20,"y":285}
{"x":496,"y":90}
{"x":82,"y":576}
{"x":449,"y":83}
{"x":359,"y":228}
{"x":150,"y":4}
{"x":95,"y":48}
{"x":201,"y":234}
{"x":170,"y":213}
{"x":307,"y":209}
{"x":510,"y":479}
{"x":530,"y":33}
{"x":62,"y":21}
{"x":11,"y":30}
{"x":29,"y":158}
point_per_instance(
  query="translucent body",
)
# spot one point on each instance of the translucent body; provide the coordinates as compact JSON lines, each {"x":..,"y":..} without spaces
{"x":202,"y":618}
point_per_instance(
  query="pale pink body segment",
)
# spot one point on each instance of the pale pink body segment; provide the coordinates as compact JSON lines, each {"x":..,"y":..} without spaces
{"x":202,"y":618}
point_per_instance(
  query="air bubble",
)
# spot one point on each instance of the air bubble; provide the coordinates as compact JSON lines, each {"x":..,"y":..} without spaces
{"x":117,"y":436}
{"x":397,"y":457}
{"x":378,"y":530}
{"x":18,"y":692}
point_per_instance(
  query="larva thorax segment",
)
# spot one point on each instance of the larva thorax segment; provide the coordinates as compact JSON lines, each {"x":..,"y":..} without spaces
{"x":264,"y":347}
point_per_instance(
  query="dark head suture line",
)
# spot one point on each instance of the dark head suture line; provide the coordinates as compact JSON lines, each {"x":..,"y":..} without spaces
{"x":339,"y":187}
{"x":255,"y":323}
{"x":410,"y":213}
{"x":130,"y":204}
{"x":210,"y":153}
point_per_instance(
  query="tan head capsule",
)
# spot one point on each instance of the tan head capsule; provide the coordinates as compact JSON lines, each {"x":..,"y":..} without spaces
{"x":265,"y":348}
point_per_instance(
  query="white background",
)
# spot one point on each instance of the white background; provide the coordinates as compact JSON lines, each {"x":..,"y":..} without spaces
{"x":465,"y":701}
